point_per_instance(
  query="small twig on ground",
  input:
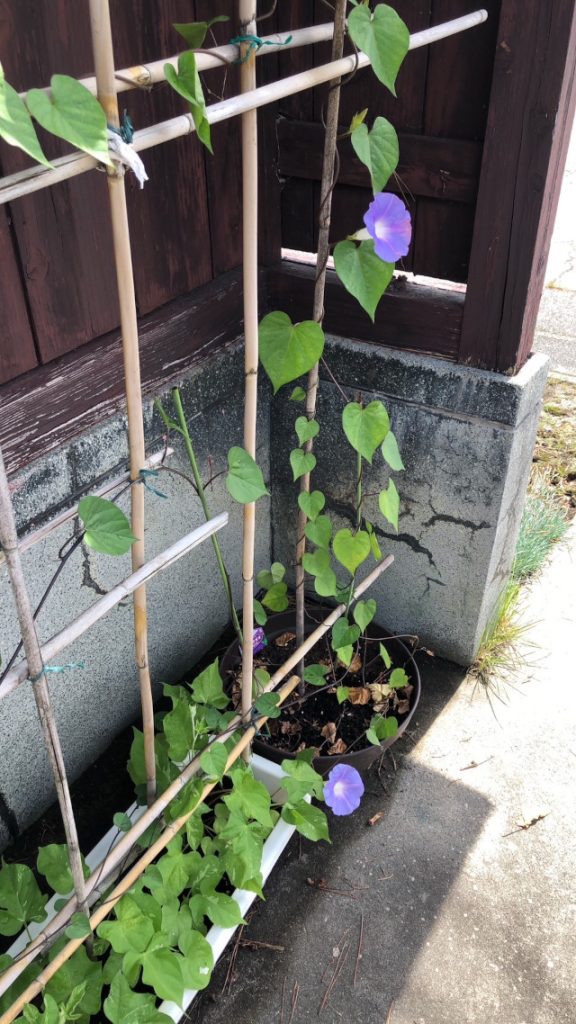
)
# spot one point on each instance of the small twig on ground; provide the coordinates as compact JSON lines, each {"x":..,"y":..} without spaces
{"x":230,"y":972}
{"x":390,"y":1013}
{"x":375,"y":818}
{"x":320,"y":883}
{"x":359,"y":950}
{"x":294,"y":1001}
{"x":335,"y":952}
{"x":343,"y":956}
{"x":476,"y":764}
{"x":255,"y":944}
{"x":523,"y":826}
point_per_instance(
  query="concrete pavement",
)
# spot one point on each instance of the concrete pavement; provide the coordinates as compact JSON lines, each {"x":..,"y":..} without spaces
{"x":446,"y":910}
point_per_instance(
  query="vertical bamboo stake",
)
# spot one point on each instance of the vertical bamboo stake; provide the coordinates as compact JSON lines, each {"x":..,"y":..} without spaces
{"x":247,"y":15}
{"x":326,"y":188}
{"x":9,"y":542}
{"x":104,"y":66}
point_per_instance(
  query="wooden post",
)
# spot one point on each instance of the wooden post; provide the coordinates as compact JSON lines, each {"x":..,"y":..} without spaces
{"x":530,"y":116}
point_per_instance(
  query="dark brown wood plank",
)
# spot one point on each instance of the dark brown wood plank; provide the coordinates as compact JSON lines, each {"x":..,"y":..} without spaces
{"x":442,"y":239}
{"x":460,"y":73}
{"x":531,"y":106}
{"x":446,"y":169}
{"x":170,"y":231}
{"x":46,"y":408}
{"x":411,"y":317}
{"x":63,"y":233}
{"x":17,"y":351}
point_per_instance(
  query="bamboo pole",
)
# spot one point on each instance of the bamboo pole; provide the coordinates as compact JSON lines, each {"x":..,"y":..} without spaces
{"x":75,"y":629}
{"x":121,"y":850}
{"x":324,"y":218}
{"x":132,"y":876}
{"x":105,"y":77}
{"x":31,"y":539}
{"x":34,"y":179}
{"x":9,"y":542}
{"x":249,"y":121}
{"x":145,"y":76}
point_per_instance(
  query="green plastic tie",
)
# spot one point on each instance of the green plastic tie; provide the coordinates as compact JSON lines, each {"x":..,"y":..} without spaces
{"x":56,"y":669}
{"x":143,"y":479}
{"x":255,"y":43}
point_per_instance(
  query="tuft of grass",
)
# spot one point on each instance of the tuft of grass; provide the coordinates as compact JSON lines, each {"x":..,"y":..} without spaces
{"x":544,"y":523}
{"x":503,"y":649}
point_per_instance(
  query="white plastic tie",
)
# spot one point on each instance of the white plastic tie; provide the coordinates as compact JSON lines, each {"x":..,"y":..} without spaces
{"x":126,"y":155}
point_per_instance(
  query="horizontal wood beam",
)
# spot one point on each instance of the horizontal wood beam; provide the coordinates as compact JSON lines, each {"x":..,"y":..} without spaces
{"x":52,"y":404}
{"x":416,"y":317}
{"x":437,"y":168}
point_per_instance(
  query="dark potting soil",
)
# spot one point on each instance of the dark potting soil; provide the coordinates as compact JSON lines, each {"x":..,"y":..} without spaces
{"x":304,"y":718}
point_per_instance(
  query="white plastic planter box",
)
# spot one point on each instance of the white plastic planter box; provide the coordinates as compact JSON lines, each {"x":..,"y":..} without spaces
{"x":270,"y":775}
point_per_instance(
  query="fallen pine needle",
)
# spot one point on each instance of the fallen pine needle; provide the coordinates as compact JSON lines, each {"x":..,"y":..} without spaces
{"x":359,"y":950}
{"x":476,"y":764}
{"x":390,"y":1013}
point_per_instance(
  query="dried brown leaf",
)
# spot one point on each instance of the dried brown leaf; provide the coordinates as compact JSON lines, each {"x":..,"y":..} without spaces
{"x":380,"y":691}
{"x":356,"y":663}
{"x":338,"y":748}
{"x":290,"y":728}
{"x":402,"y":707}
{"x":329,"y":732}
{"x":359,"y":694}
{"x":284,"y":639}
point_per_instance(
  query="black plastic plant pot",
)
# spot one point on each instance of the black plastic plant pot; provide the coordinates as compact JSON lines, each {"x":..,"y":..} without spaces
{"x":284,"y":622}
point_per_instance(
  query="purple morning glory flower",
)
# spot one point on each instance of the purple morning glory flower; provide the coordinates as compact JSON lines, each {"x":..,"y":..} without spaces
{"x":388,"y":222}
{"x":344,"y":789}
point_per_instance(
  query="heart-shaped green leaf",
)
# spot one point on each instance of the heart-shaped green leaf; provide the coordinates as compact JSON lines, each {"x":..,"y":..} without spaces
{"x":213,"y":760}
{"x":311,"y":504}
{"x":16,"y":126}
{"x":186,"y":82}
{"x":244,"y":480}
{"x":301,"y":462}
{"x":267,"y":705}
{"x":267,"y":578}
{"x":318,"y":565}
{"x":383,"y":36}
{"x":398,"y":679}
{"x":343,"y":634}
{"x":364,"y":612}
{"x":351,"y":549}
{"x":385,"y":656}
{"x":391,"y":452}
{"x":319,"y":531}
{"x":276,"y":599}
{"x":107,"y":528}
{"x":298,"y":395}
{"x":72,"y":113}
{"x":389,"y":503}
{"x":123,"y":1006}
{"x":363,"y":273}
{"x":378,"y":150}
{"x":366,"y":427}
{"x":306,"y":429}
{"x":381,"y":729}
{"x":288,"y":350}
{"x":374,"y":545}
{"x":342,"y":693}
{"x":20,"y":898}
{"x":195,"y":32}
{"x":315,"y":674}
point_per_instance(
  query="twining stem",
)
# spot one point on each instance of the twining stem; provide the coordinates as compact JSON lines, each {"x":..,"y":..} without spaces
{"x":32,"y":650}
{"x":358,"y":522}
{"x":326,"y":190}
{"x":204,"y":502}
{"x":106,"y":87}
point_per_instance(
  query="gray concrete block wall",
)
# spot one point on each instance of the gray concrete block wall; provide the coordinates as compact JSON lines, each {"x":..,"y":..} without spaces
{"x":466,"y":438}
{"x":187,"y":606}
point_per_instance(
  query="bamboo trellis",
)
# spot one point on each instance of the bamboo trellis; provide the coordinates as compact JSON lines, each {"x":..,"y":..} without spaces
{"x":107,"y":83}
